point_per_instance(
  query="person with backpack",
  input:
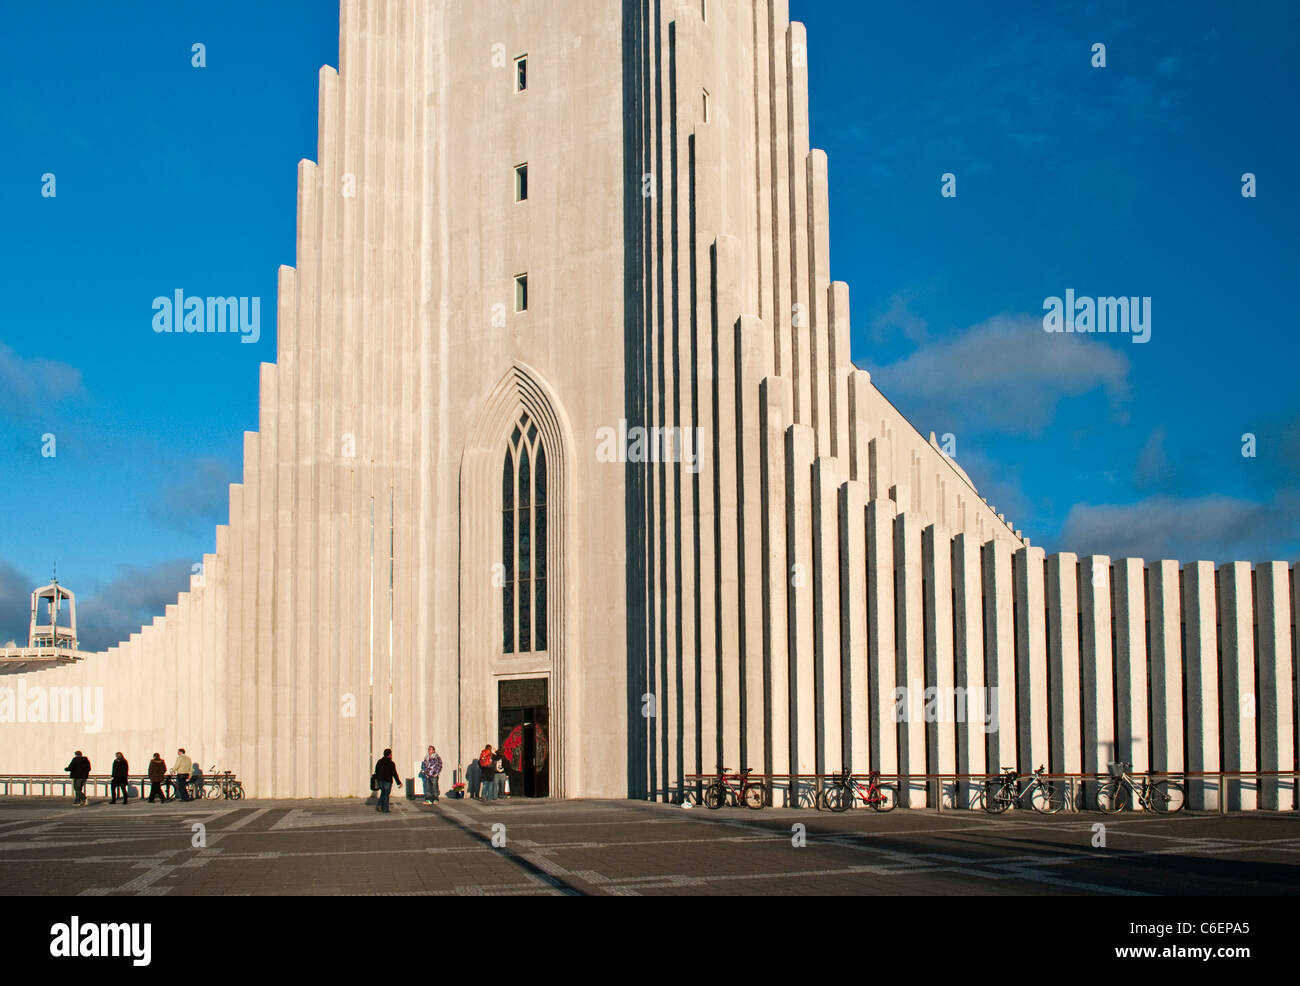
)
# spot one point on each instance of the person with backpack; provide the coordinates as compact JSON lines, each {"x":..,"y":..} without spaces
{"x":79,"y":770}
{"x":157,"y":774}
{"x":121,"y":774}
{"x":487,"y":767}
{"x":386,"y":775}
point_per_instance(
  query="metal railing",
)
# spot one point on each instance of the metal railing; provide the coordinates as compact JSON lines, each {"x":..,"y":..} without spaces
{"x":96,"y":784}
{"x":933,"y":784}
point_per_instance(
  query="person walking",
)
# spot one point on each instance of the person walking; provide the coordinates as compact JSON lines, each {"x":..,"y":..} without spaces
{"x":78,"y":769}
{"x":196,"y":779}
{"x":181,"y":773}
{"x":429,"y":771}
{"x":487,"y":767}
{"x":121,"y":774}
{"x":386,"y":774}
{"x":157,"y":774}
{"x":473,"y":779}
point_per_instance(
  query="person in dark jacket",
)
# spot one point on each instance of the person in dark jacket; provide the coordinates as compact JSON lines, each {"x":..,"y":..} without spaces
{"x":121,"y":773}
{"x":78,"y":769}
{"x":157,"y":774}
{"x":386,"y":774}
{"x":473,"y":780}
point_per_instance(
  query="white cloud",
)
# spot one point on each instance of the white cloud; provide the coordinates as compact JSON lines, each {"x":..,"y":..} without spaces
{"x":1005,"y":374}
{"x":1204,"y":528}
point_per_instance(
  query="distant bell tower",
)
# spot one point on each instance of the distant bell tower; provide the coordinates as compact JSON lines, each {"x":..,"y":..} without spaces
{"x":49,"y":633}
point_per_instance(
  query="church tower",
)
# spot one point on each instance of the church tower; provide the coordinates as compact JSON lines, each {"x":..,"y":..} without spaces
{"x":564,"y":451}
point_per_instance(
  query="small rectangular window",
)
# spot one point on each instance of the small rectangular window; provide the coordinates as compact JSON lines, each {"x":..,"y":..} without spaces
{"x":521,"y":73}
{"x":521,"y":182}
{"x":521,"y":292}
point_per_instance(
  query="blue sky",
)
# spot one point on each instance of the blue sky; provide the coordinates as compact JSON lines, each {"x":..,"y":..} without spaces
{"x":1123,"y":180}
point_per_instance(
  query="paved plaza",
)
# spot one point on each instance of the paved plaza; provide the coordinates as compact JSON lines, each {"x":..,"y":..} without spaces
{"x":343,"y":846}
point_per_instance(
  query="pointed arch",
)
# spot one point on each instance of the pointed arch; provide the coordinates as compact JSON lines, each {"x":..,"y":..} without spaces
{"x":490,"y":456}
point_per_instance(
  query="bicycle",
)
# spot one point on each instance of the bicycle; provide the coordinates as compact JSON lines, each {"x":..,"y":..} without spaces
{"x":721,"y":790}
{"x":223,"y":785}
{"x":1003,"y":791}
{"x":1161,"y":796}
{"x":844,"y":790}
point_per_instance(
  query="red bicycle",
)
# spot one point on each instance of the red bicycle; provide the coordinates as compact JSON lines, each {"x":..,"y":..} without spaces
{"x":845,"y":789}
{"x":735,"y":789}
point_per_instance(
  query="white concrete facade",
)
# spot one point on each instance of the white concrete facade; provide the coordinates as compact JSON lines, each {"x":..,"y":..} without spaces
{"x":763,"y":607}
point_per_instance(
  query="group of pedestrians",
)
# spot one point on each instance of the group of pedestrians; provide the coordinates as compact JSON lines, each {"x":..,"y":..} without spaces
{"x":385,"y":776}
{"x":183,"y":773}
{"x":485,"y":779}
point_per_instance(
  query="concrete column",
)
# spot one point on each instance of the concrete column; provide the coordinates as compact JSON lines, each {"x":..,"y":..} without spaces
{"x":775,"y":408}
{"x":1164,"y":616}
{"x":1276,"y":706}
{"x":853,"y":623}
{"x":826,"y":479}
{"x":909,"y":623}
{"x":1063,"y":663}
{"x":1096,"y":667}
{"x":1031,"y":658}
{"x":782,"y":240}
{"x":819,"y":240}
{"x":1131,"y":729}
{"x":859,"y":427}
{"x":247,"y":629}
{"x":941,"y":711}
{"x":286,"y":755}
{"x":881,"y":660}
{"x":999,"y":652}
{"x":968,"y":660}
{"x":798,"y":500}
{"x":797,"y":147}
{"x":1200,"y":619}
{"x":753,"y":364}
{"x":1237,"y":672}
{"x":840,"y":362}
{"x":727,"y":274}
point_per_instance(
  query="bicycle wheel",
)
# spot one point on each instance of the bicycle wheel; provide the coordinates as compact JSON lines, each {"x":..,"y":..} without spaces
{"x":1046,"y":799}
{"x":755,"y":796}
{"x":1167,"y":796}
{"x":236,"y":791}
{"x":996,"y":798}
{"x":1112,"y":797}
{"x":837,"y":797}
{"x":887,"y":798}
{"x":713,"y":796}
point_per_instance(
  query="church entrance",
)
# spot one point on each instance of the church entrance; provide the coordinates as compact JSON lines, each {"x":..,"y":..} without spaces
{"x":523,"y":735}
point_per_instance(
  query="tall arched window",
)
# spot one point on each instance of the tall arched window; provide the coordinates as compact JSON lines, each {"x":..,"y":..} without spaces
{"x":523,"y":541}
